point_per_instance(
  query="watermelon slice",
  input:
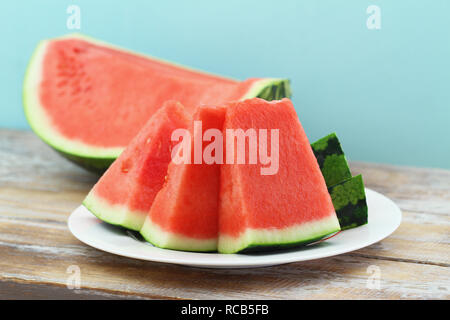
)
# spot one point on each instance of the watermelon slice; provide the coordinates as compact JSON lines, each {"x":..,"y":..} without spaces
{"x":88,"y":99}
{"x":184,"y":213}
{"x":126,"y":191}
{"x":331,"y":159}
{"x":287,"y":208}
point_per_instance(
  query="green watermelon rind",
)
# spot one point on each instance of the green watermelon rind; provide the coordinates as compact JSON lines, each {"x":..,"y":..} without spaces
{"x":331,"y":159}
{"x":269,"y":89}
{"x":347,"y":192}
{"x":255,"y":248}
{"x":160,"y":238}
{"x":349,"y":201}
{"x":258,"y":239}
{"x":118,"y":215}
{"x":98,"y":159}
{"x":96,"y":165}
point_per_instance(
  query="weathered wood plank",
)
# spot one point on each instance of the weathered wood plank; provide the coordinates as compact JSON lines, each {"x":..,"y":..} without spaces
{"x":422,"y":238}
{"x":39,"y":189}
{"x":414,"y":189}
{"x":32,"y":241}
{"x":27,"y":163}
{"x":338,"y":277}
{"x":13,"y":290}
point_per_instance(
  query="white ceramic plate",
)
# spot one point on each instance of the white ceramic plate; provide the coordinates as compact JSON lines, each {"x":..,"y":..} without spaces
{"x":384,"y":218}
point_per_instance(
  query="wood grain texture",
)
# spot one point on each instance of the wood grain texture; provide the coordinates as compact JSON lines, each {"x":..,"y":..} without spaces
{"x":39,"y":189}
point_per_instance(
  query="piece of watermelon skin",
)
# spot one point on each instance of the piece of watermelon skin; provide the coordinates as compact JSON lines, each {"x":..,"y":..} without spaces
{"x":331,"y":159}
{"x":349,"y":201}
{"x":95,"y":159}
{"x":256,"y":248}
{"x":125,"y":192}
{"x":335,"y":169}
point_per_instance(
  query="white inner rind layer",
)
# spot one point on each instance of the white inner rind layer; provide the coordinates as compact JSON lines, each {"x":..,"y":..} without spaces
{"x":43,"y":125}
{"x":114,"y":213}
{"x":290,"y":235}
{"x":169,"y":240}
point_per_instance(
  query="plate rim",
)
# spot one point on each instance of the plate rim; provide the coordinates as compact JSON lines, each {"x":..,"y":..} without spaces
{"x":250,"y":262}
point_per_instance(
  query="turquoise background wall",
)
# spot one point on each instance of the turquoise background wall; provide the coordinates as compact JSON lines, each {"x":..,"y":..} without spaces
{"x":386,"y":91}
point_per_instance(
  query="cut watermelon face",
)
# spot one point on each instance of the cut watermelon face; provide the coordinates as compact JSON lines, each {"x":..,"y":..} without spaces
{"x":126,"y":191}
{"x":88,"y":99}
{"x":202,"y":191}
{"x":184,"y":213}
{"x":287,"y":208}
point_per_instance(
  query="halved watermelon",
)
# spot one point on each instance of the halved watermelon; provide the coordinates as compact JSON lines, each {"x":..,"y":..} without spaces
{"x":287,"y":208}
{"x":126,"y":191}
{"x":184,"y":213}
{"x":88,"y":99}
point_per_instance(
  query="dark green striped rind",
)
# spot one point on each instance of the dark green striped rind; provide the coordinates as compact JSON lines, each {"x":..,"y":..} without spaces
{"x":95,"y":165}
{"x":331,"y":159}
{"x":276,"y":90}
{"x":347,"y":193}
{"x":256,"y":248}
{"x":349,"y":201}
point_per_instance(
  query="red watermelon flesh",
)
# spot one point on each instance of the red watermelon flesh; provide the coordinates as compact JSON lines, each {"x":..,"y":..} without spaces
{"x":77,"y":68}
{"x":88,"y":99}
{"x":184,"y":213}
{"x":287,"y":208}
{"x":124,"y":194}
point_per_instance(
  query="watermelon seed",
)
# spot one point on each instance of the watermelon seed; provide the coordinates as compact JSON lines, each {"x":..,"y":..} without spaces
{"x":126,"y":165}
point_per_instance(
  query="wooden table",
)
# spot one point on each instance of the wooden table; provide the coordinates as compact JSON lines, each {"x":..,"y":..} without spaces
{"x":39,"y":189}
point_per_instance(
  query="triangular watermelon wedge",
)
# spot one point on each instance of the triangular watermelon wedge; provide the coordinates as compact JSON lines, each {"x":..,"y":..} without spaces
{"x":88,"y":99}
{"x":184,"y":213}
{"x":287,"y":207}
{"x":126,"y":191}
